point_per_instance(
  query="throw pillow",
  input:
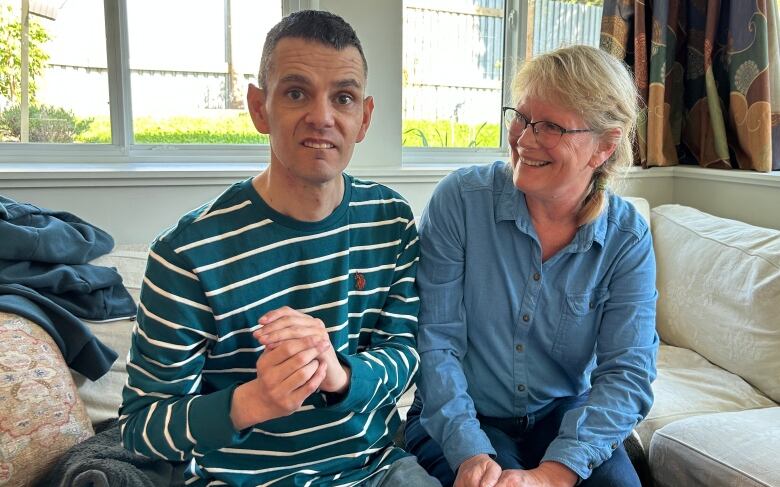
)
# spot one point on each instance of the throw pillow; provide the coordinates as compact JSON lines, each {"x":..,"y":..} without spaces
{"x":41,"y":414}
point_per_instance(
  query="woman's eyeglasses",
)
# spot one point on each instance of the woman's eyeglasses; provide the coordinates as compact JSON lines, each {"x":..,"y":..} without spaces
{"x":547,"y":134}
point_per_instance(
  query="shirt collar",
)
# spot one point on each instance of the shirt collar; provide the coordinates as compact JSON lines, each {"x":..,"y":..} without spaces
{"x":510,"y":205}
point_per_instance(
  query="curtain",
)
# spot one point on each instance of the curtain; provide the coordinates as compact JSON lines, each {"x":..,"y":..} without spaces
{"x":709,"y":74}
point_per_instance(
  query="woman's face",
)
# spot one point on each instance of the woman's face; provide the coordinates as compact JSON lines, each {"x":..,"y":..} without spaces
{"x":561,"y":171}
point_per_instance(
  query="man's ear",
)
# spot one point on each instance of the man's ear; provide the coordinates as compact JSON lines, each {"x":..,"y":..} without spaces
{"x":607,"y":145}
{"x":368,"y":109}
{"x":255,"y":102}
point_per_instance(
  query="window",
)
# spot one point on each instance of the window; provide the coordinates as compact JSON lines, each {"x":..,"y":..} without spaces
{"x":190,"y":64}
{"x":555,"y":23}
{"x":459,"y":57}
{"x":181,"y":71}
{"x":452,"y":71}
{"x":65,"y":89}
{"x":165,"y":82}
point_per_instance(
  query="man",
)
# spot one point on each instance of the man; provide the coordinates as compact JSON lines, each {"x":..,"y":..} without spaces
{"x":277,"y":323}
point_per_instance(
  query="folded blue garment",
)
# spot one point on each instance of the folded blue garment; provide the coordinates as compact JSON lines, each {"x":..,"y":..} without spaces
{"x":45,"y":277}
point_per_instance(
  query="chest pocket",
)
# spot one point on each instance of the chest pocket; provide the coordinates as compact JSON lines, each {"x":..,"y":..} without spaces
{"x":575,"y":340}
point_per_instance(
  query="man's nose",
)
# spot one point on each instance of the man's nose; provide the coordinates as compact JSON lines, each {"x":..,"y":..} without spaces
{"x":320,"y":113}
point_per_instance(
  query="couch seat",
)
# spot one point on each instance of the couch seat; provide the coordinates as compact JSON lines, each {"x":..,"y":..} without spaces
{"x":738,"y":449}
{"x":689,"y":385}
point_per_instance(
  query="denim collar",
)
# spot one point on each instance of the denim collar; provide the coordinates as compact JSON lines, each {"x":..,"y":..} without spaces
{"x":510,"y":204}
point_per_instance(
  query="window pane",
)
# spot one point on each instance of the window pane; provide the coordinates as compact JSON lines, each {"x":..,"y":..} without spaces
{"x":557,"y":23}
{"x":67,"y":82}
{"x":190,"y":63}
{"x":452,"y":64}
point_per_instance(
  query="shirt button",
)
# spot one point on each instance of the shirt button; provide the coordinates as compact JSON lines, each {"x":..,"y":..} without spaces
{"x":614,"y":445}
{"x":526,"y":318}
{"x":591,"y":305}
{"x":590,"y":466}
{"x":521,"y":387}
{"x":537,"y":276}
{"x":519,"y":347}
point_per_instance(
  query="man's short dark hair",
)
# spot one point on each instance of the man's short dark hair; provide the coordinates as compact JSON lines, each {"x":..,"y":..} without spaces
{"x":313,"y":25}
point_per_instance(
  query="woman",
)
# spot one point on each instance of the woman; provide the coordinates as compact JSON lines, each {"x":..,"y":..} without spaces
{"x":537,"y":288}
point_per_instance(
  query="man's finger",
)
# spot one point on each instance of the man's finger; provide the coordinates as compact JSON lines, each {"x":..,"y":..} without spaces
{"x":275,"y":314}
{"x":290,"y":333}
{"x":314,"y":374}
{"x":289,"y":348}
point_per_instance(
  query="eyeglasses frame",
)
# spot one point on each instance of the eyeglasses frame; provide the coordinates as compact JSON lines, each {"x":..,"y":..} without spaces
{"x":528,"y":123}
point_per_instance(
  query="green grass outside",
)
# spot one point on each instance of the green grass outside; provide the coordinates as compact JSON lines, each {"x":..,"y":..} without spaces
{"x":443,"y":133}
{"x":239,"y":130}
{"x":180,"y":130}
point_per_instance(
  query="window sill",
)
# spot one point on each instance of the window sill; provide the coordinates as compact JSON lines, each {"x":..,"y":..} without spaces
{"x":45,"y":175}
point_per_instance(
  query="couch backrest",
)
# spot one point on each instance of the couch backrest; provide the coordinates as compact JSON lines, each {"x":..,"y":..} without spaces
{"x":641,"y":205}
{"x":719,"y":292}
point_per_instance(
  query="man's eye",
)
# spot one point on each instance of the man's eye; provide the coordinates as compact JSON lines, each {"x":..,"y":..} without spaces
{"x":295,"y":95}
{"x":344,"y":99}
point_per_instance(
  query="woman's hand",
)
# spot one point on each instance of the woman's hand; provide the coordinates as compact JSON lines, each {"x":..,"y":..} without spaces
{"x":478,"y":471}
{"x":548,"y":474}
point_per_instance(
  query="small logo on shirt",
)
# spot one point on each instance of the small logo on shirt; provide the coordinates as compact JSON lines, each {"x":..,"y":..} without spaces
{"x":360,"y":281}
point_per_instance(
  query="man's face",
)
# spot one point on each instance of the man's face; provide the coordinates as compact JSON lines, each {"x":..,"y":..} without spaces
{"x":313,"y":108}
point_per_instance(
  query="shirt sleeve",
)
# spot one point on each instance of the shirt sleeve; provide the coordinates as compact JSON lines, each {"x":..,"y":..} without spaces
{"x":385,"y":370}
{"x":448,"y":414}
{"x":163,"y":413}
{"x":626,"y":348}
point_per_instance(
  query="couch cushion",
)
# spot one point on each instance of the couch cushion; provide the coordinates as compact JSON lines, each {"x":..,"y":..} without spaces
{"x":719,"y":291}
{"x":41,"y":415}
{"x":735,"y":449}
{"x":103,"y":397}
{"x":689,"y":385}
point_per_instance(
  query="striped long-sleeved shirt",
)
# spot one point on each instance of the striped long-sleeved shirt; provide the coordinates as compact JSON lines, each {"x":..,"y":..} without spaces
{"x":207,"y":282}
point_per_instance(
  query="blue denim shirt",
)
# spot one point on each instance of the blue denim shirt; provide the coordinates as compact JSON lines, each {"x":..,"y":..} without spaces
{"x":503,"y":334}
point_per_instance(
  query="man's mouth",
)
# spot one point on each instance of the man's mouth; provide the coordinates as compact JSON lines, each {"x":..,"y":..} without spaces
{"x":318,"y":144}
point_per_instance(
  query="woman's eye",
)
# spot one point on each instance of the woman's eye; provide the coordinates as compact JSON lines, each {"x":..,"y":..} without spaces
{"x":344,"y":99}
{"x":549,"y":127}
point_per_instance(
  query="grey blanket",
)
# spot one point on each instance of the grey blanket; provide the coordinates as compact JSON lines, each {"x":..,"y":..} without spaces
{"x":101,"y":461}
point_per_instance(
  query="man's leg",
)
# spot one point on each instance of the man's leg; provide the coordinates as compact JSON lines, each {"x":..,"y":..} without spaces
{"x":405,"y":472}
{"x":420,"y":444}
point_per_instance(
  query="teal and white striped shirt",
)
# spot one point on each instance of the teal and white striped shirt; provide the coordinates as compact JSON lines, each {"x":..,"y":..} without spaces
{"x":207,"y":282}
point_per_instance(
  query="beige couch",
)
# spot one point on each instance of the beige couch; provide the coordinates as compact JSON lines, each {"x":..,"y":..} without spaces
{"x":716,"y":419}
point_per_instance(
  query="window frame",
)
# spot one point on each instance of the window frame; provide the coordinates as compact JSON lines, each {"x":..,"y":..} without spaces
{"x":124,"y":154}
{"x":515,"y":32}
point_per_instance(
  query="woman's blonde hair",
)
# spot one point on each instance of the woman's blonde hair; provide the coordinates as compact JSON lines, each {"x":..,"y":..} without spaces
{"x":600,"y":88}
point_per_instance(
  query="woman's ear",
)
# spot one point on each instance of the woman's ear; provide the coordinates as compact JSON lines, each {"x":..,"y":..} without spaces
{"x":606,"y":147}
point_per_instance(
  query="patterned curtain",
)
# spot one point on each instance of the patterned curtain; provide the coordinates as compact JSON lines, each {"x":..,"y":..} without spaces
{"x":709,"y":73}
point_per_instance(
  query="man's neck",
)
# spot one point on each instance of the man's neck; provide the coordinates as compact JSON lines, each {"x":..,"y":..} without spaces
{"x":297,"y":199}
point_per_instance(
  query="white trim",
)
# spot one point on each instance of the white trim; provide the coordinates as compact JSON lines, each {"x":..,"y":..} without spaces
{"x":751,"y":178}
{"x":209,"y":174}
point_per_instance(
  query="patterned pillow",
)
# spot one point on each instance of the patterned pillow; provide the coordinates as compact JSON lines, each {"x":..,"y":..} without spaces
{"x":41,"y":414}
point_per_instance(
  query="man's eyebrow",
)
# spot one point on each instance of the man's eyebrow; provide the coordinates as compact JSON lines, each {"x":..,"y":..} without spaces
{"x":348,"y":83}
{"x":295,"y":78}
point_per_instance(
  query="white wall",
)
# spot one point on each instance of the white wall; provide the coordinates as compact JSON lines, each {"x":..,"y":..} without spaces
{"x":135,"y":208}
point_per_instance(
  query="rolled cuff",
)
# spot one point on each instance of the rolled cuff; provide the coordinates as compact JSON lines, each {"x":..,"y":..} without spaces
{"x":210,"y":424}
